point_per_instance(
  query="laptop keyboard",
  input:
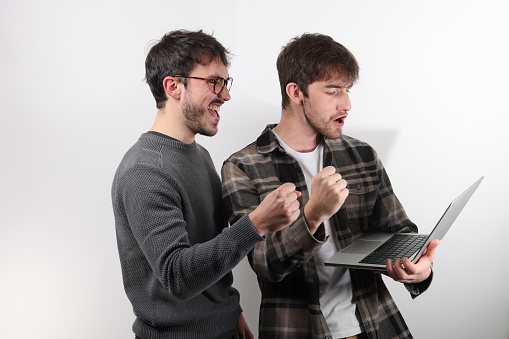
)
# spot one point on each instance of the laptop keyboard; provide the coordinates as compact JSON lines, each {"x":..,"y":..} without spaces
{"x":398,"y":246}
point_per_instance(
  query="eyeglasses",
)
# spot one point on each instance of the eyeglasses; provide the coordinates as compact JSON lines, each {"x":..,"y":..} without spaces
{"x":217,"y":84}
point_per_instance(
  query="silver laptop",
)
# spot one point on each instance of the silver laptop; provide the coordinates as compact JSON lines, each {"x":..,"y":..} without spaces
{"x":372,"y":250}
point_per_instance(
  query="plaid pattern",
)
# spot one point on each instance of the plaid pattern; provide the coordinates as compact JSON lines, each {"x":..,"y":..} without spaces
{"x":284,"y":261}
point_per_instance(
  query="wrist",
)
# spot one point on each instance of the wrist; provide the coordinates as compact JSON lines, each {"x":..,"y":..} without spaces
{"x":312,"y":222}
{"x":255,"y":220}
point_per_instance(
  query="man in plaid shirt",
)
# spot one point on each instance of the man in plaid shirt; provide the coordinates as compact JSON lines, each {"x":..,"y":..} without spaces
{"x":345,"y":192}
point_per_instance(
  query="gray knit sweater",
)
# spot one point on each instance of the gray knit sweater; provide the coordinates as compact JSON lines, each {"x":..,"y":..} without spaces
{"x":176,"y":252}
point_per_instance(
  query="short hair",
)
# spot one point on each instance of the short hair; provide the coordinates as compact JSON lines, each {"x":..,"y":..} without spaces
{"x":314,"y":57}
{"x":177,"y":53}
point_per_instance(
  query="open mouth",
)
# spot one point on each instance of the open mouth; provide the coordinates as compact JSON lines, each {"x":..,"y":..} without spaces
{"x":214,"y":111}
{"x":341,"y":120}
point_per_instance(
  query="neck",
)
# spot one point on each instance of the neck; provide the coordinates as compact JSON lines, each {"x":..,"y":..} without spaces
{"x":294,"y":130}
{"x":168,"y":123}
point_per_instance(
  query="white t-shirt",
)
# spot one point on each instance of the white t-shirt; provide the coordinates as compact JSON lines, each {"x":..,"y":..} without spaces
{"x":335,"y":282}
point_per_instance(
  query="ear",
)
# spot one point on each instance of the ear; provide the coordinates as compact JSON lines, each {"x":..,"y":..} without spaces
{"x":294,"y":93}
{"x":172,"y":87}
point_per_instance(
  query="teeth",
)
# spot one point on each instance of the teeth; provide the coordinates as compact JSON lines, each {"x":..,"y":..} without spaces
{"x":214,"y":108}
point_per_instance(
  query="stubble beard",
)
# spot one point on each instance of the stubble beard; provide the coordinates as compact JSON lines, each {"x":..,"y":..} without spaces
{"x":328,"y":133}
{"x":193,"y":118}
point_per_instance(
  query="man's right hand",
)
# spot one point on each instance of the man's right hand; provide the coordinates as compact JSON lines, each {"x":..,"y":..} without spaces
{"x":328,"y":193}
{"x":279,"y":209}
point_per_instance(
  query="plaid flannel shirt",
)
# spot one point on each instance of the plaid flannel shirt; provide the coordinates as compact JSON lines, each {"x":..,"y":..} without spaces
{"x":284,"y":262}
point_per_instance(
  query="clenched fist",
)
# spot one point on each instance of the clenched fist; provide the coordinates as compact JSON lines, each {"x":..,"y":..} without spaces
{"x":279,"y":209}
{"x":328,"y":193}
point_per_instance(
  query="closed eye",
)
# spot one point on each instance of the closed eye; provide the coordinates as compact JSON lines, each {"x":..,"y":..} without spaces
{"x":334,"y":92}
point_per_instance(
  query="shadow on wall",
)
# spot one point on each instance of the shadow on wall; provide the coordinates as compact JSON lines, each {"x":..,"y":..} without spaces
{"x":382,"y":140}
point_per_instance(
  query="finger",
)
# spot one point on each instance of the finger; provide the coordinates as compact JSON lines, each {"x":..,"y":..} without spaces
{"x":428,"y":257}
{"x":294,"y":195}
{"x":329,"y":170}
{"x":291,"y":197}
{"x":294,"y":205}
{"x":430,"y":251}
{"x":399,"y":270}
{"x":283,"y":192}
{"x":295,"y":215}
{"x":390,"y":269}
{"x":333,"y":179}
{"x":343,"y":194}
{"x":410,"y":267}
{"x":290,"y":202}
{"x":342,"y":184}
{"x":417,"y":272}
{"x":286,"y":188}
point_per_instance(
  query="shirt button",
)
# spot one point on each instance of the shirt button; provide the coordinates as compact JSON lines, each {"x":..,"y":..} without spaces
{"x":358,"y":186}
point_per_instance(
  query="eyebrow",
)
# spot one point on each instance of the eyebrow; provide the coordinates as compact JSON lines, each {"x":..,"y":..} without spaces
{"x":338,"y":86}
{"x":216,"y":76}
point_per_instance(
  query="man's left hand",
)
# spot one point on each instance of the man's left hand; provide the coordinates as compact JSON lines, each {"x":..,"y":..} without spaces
{"x":243,"y":329}
{"x":405,"y":271}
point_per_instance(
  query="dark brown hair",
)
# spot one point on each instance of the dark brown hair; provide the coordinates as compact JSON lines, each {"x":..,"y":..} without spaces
{"x":314,"y":57}
{"x":177,"y":53}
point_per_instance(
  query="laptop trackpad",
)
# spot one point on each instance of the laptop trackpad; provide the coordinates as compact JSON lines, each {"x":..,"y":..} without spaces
{"x":362,"y":247}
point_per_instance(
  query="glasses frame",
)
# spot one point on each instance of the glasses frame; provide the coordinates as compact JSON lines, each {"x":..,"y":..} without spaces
{"x":212,"y":81}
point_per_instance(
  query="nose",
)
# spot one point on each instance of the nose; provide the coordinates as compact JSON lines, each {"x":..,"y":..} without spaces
{"x":224,"y":94}
{"x":345,"y":104}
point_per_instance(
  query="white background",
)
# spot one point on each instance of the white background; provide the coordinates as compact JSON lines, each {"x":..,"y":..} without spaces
{"x":431,"y":99}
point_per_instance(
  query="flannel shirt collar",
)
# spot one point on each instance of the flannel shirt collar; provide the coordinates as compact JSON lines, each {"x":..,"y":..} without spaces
{"x":267,"y":141}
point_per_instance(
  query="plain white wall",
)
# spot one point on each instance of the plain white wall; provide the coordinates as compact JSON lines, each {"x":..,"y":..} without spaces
{"x":431,"y":99}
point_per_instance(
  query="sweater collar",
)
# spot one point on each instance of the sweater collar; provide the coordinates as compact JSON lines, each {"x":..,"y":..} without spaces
{"x":169,"y":141}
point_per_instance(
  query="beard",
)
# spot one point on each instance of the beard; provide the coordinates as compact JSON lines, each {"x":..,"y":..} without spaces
{"x":195,"y":118}
{"x":325,"y":128}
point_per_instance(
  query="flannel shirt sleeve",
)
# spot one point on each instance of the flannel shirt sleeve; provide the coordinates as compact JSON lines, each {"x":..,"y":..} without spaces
{"x":280,"y":253}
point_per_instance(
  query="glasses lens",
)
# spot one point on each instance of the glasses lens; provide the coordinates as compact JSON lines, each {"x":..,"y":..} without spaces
{"x":220,"y":83}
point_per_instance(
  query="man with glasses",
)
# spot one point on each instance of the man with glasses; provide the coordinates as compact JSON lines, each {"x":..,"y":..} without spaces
{"x":176,"y":252}
{"x":345,"y":192}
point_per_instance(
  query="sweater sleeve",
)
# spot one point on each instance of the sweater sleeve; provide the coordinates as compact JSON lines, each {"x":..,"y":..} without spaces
{"x":153,"y":204}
